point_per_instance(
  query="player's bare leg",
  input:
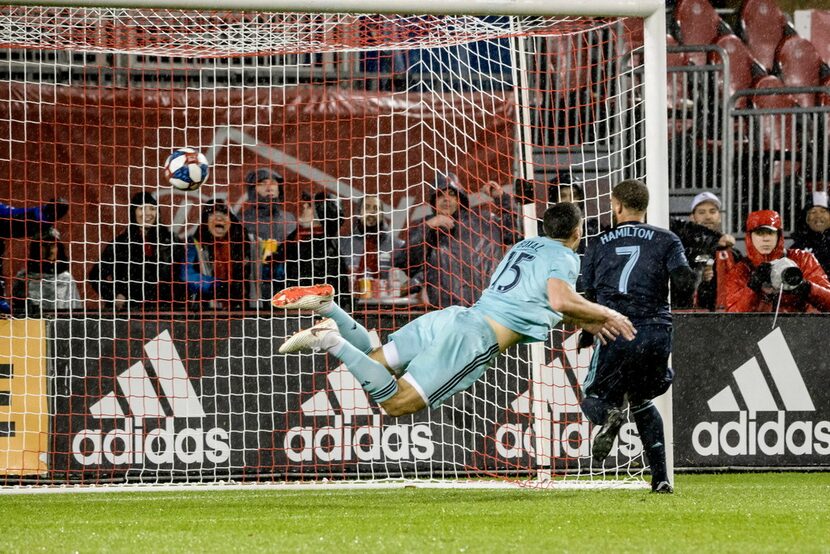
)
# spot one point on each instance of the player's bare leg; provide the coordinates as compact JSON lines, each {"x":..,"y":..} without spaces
{"x":406,"y":401}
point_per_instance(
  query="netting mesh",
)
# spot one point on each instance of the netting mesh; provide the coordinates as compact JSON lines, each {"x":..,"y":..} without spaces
{"x":142,"y":346}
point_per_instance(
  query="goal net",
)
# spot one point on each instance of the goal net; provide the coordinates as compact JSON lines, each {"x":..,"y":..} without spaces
{"x":142,"y":347}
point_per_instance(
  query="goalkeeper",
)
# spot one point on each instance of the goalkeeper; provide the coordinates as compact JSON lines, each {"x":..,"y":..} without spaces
{"x":444,"y":352}
{"x":771,"y":278}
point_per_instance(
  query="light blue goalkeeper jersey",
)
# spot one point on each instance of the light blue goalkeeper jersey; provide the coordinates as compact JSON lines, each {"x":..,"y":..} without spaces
{"x":517,"y":296}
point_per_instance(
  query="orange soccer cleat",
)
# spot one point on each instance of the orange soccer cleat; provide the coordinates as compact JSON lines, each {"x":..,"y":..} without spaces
{"x":314,"y":297}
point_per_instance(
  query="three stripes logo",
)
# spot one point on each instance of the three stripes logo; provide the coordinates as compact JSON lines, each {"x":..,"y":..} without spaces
{"x":169,"y":407}
{"x":766,"y":423}
{"x":356,"y":433}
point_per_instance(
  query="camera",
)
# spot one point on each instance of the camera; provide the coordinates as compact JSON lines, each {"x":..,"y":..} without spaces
{"x":704,"y":260}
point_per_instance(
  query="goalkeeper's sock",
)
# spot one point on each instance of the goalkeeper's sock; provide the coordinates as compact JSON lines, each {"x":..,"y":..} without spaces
{"x":650,"y":426}
{"x":372,"y":376}
{"x":354,"y":333}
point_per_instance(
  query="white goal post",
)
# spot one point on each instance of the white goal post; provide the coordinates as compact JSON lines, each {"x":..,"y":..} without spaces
{"x":175,"y":438}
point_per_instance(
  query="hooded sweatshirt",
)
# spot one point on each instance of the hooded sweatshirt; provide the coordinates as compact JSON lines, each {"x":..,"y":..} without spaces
{"x":741,"y":298}
{"x":138,"y":264}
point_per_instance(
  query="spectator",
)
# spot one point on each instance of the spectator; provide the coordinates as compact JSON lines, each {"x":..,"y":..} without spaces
{"x":264,"y":217}
{"x":812,"y":231}
{"x":453,"y":251}
{"x":217,"y":260}
{"x":25,"y":222}
{"x":503,"y":211}
{"x":137,"y":270}
{"x":772,"y":278}
{"x":45,"y":285}
{"x":561,"y":188}
{"x":311,"y":254}
{"x":371,"y":238}
{"x":709,"y":251}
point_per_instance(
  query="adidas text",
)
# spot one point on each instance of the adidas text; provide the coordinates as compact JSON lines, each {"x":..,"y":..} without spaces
{"x":748,"y":436}
{"x":571,"y":440}
{"x":132,"y":444}
{"x":367,"y":443}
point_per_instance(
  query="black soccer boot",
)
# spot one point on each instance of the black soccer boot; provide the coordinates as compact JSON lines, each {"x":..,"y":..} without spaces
{"x":607,"y":434}
{"x":663,"y":487}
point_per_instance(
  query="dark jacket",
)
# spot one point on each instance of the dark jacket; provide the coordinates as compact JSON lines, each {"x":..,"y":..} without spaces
{"x":140,"y":266}
{"x":805,"y":238}
{"x":701,"y":246}
{"x":455,"y":265}
{"x":265,"y":218}
{"x":310,"y":256}
{"x":205,"y":290}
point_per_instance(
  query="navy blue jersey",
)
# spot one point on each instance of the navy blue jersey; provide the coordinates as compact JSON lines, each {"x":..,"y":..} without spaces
{"x":628,"y":267}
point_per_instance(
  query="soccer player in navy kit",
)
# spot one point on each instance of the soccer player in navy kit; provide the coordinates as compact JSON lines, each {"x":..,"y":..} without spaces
{"x":628,"y":269}
{"x":443,"y":352}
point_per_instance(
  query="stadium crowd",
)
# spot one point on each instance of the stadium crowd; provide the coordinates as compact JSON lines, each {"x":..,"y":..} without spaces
{"x":235,"y":261}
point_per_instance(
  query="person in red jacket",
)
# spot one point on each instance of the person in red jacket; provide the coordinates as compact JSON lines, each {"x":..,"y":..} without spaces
{"x":755,"y":283}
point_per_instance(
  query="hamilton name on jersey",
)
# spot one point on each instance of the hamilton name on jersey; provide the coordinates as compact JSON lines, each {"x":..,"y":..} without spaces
{"x":627,"y":231}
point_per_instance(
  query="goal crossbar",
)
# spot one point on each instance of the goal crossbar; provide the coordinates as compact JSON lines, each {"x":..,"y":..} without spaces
{"x":602,"y":8}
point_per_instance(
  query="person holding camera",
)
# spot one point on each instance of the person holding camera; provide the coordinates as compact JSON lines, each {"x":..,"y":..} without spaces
{"x":771,"y":278}
{"x":710,"y":251}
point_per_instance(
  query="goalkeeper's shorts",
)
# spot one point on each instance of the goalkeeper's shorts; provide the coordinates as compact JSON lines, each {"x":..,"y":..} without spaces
{"x":445,"y":352}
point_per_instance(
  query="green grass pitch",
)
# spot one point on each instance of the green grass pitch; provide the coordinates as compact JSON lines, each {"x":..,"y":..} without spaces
{"x":709,"y":513}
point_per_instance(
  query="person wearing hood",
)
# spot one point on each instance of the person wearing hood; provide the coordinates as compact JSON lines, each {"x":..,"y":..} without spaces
{"x":264,"y":218}
{"x":217,"y":266}
{"x":45,"y":285}
{"x":755,"y":283}
{"x":137,"y":270}
{"x":812,"y":232}
{"x":263,"y":214}
{"x":453,"y":251}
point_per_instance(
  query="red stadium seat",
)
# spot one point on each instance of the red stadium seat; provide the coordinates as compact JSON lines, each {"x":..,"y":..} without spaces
{"x":697,"y":22}
{"x":772,"y":101}
{"x":675,"y":59}
{"x":762,"y":25}
{"x":798,"y":64}
{"x":774,"y":129}
{"x":743,"y":68}
{"x":820,"y":33}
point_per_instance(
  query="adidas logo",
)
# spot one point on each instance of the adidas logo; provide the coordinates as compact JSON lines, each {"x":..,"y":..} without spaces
{"x":778,"y":436}
{"x":132,"y":443}
{"x":568,"y":435}
{"x":346,"y":440}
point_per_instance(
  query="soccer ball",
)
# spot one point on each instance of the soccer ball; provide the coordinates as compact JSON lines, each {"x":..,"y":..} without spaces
{"x":186,"y":169}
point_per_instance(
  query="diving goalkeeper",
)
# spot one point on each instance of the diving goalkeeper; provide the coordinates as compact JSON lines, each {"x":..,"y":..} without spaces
{"x":443,"y":352}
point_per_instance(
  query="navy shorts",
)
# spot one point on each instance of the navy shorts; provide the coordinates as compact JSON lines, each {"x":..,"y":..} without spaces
{"x":638,"y":369}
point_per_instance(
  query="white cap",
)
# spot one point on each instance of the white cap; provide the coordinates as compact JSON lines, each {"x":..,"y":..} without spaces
{"x":705,"y":197}
{"x":820,"y":198}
